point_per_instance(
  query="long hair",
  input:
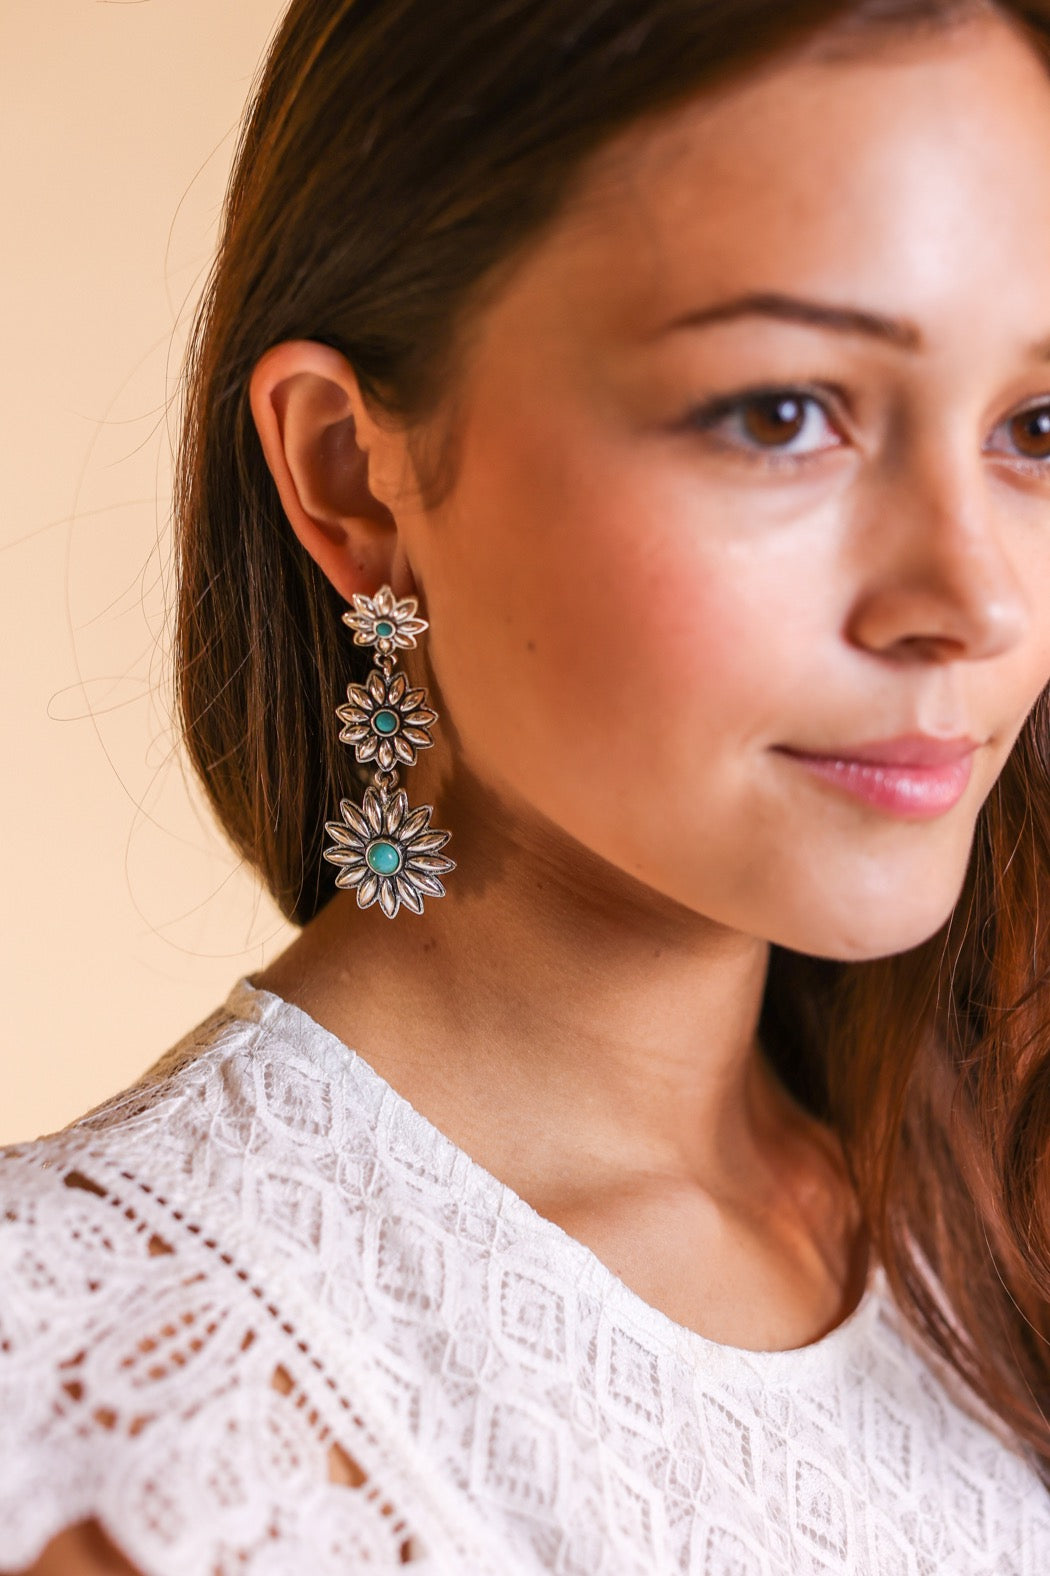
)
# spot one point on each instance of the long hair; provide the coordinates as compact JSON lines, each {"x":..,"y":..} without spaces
{"x":396,"y":156}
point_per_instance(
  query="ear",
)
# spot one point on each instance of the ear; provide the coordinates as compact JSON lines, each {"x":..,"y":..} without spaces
{"x":320,"y":443}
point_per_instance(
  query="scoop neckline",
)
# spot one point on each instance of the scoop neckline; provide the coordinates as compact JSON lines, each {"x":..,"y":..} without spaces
{"x":583,"y":1265}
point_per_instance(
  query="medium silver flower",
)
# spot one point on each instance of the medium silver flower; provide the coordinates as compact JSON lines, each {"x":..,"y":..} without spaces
{"x":387,"y":852}
{"x":384,"y":622}
{"x":385,"y":720}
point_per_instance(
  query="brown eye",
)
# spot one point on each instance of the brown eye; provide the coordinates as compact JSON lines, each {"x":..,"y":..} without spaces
{"x":1030,"y":430}
{"x":757,"y":425}
{"x":773,"y":418}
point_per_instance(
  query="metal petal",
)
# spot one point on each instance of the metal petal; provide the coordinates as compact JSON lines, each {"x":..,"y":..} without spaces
{"x":342,"y":835}
{"x":414,"y":698}
{"x":385,"y":750}
{"x":357,"y":695}
{"x":421,"y":718}
{"x":348,"y":879}
{"x":425,"y":844}
{"x":410,"y":895}
{"x":388,"y":898}
{"x":436,"y":864}
{"x":368,"y":890}
{"x":416,"y":822}
{"x":430,"y":885}
{"x":376,"y":685}
{"x":353,"y":817}
{"x":366,"y":749}
{"x":354,"y":732}
{"x":384,"y":602}
{"x":428,"y":843}
{"x":417,"y":737}
{"x":373,"y":808}
{"x":396,"y":813}
{"x":351,"y":858}
{"x":398,"y":685}
{"x":403,"y":750}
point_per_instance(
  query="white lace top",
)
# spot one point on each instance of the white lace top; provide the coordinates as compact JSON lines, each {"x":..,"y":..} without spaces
{"x":258,"y":1315}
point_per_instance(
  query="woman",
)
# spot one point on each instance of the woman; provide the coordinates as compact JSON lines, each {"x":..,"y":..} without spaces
{"x":638,"y":1162}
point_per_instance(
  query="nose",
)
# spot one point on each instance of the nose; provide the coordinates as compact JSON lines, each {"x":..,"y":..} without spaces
{"x":937,"y":584}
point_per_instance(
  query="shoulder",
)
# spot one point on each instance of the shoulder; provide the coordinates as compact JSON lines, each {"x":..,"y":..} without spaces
{"x":80,"y":1213}
{"x":186,"y":1355}
{"x":88,"y":1285}
{"x":154,"y":1383}
{"x":102,"y":1299}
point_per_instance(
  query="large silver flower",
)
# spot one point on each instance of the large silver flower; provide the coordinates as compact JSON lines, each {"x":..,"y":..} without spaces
{"x":387,"y":852}
{"x":385,"y":720}
{"x":384,"y":622}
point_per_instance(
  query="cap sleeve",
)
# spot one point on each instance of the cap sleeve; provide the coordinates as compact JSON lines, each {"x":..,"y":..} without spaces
{"x":147,"y":1382}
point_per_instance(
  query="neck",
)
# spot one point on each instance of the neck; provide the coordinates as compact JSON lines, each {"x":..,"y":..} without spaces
{"x":550,"y":1014}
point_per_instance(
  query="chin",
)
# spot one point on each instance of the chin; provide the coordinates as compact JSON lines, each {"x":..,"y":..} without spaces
{"x":860,"y":927}
{"x":877,"y":908}
{"x":860,"y":942}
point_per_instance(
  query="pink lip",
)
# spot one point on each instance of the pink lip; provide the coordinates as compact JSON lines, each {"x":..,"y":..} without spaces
{"x":914,"y":775}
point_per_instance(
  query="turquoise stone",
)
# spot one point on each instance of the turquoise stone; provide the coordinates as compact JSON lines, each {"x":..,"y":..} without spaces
{"x":384,"y":722}
{"x":384,"y":629}
{"x":383,"y":858}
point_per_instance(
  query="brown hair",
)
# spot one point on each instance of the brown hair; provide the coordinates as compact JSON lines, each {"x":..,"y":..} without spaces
{"x":396,"y":155}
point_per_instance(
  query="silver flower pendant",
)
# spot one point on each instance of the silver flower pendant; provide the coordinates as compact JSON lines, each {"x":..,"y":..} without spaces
{"x":386,"y":850}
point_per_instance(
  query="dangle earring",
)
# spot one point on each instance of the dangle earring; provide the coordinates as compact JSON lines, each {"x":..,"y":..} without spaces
{"x":388,"y":852}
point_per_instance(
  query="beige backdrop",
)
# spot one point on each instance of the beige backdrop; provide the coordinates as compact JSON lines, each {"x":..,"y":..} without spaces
{"x":127,"y":916}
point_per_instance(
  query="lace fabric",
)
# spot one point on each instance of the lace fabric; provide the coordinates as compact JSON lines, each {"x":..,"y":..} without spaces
{"x":258,"y":1315}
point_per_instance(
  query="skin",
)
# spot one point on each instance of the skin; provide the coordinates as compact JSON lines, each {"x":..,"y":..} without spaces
{"x":629,"y":616}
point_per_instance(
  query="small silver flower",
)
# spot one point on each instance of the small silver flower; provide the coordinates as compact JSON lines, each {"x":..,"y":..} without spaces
{"x":387,"y":852}
{"x":385,"y":720}
{"x":384,"y":622}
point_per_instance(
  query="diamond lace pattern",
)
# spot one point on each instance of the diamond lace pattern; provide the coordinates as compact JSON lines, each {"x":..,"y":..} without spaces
{"x":258,"y":1316}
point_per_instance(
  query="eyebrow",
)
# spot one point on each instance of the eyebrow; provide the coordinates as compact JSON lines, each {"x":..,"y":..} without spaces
{"x":899,"y":332}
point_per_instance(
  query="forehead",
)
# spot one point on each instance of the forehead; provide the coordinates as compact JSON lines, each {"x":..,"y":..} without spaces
{"x":910,"y":176}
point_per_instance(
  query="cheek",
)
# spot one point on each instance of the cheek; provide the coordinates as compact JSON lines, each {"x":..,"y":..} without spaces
{"x":592,"y":608}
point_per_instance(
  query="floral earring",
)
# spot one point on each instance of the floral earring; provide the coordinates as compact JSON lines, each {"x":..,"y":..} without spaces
{"x":386,"y":851}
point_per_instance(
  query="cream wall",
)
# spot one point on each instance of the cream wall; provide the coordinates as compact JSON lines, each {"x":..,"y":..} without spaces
{"x":127,"y":918}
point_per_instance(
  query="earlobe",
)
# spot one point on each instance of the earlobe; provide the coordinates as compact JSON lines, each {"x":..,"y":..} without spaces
{"x":316,"y":435}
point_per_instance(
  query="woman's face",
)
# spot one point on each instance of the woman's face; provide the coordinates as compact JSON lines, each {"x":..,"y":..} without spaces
{"x":641,"y":607}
